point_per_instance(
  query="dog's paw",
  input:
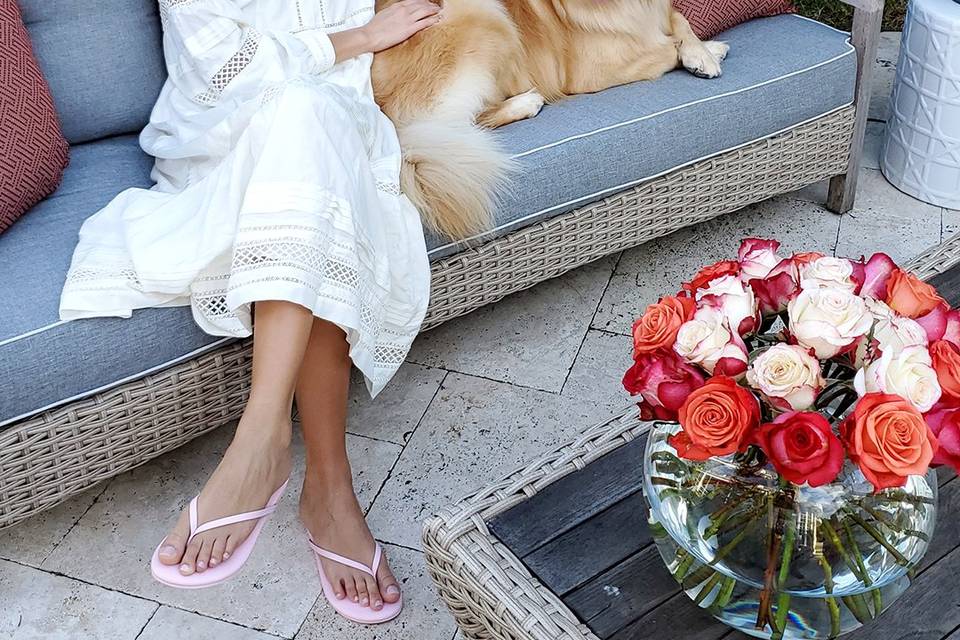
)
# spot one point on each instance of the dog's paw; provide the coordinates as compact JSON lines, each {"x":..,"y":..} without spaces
{"x":717,"y":49}
{"x":526,"y":105}
{"x":699,"y":61}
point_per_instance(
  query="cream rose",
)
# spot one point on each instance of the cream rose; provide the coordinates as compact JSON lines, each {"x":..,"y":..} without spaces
{"x":828,"y":273}
{"x":788,"y":376}
{"x":735,"y":301}
{"x":702,"y":339}
{"x":828,"y":320}
{"x":908,"y":374}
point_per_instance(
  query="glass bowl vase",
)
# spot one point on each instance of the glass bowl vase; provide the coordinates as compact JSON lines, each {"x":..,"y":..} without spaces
{"x":777,"y":560}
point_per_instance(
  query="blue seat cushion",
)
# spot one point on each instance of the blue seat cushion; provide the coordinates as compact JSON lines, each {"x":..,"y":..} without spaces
{"x":43,"y":361}
{"x":781,"y":71}
{"x":103,"y":60}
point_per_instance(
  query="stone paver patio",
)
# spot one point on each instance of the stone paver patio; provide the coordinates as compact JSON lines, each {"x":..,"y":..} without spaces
{"x":478,"y":397}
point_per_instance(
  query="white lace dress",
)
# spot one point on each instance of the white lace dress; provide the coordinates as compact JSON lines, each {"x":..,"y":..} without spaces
{"x":277,"y":179}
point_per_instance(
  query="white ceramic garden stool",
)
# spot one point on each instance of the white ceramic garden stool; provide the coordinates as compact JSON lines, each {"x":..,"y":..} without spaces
{"x":921,"y":149}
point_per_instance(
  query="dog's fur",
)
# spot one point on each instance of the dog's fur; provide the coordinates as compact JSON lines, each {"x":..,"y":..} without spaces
{"x":492,"y":62}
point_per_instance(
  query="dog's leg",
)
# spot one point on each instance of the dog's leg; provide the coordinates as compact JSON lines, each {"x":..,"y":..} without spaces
{"x":702,"y":59}
{"x":519,"y":107}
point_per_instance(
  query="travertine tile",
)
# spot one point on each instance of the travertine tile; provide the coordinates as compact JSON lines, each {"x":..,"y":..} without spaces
{"x":112,"y":544}
{"x":884,"y":74}
{"x":597,"y":374}
{"x":950,"y":223}
{"x":36,"y":605}
{"x":424,"y":617}
{"x":530,"y":338}
{"x":396,"y":411}
{"x":872,"y":143}
{"x":888,"y":220}
{"x":658,"y":268}
{"x":475,"y":432}
{"x":31,"y":541}
{"x":168,"y":623}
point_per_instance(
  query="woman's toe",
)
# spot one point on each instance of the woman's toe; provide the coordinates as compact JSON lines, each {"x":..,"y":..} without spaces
{"x":171,"y":549}
{"x":203,"y":555}
{"x":389,"y":587}
{"x":376,"y":600}
{"x":351,"y":586}
{"x":362,"y":594}
{"x":216,"y":554}
{"x":188,"y":565}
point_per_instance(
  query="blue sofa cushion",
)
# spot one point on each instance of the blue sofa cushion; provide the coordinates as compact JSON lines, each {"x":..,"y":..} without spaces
{"x":103,"y":60}
{"x":43,"y":361}
{"x":781,"y":71}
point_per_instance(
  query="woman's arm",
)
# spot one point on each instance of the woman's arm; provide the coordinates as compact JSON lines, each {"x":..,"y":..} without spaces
{"x":213,"y":54}
{"x":388,"y":28}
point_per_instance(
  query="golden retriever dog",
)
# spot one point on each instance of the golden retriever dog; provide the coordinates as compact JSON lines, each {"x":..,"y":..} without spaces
{"x":492,"y":62}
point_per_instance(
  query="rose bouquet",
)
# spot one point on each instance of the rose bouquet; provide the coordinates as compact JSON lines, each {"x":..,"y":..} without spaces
{"x":801,"y":402}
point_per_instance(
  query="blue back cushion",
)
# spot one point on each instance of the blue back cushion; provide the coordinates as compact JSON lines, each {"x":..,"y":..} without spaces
{"x":103,"y":60}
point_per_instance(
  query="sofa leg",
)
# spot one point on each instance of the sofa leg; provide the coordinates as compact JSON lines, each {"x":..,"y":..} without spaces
{"x":842,"y":193}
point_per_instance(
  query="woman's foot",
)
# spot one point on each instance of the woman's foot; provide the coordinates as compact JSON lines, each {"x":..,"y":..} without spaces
{"x":254,"y":466}
{"x":332,"y":515}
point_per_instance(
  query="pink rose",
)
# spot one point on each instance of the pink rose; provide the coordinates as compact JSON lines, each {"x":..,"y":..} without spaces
{"x":757,"y":257}
{"x":736,"y":302}
{"x":707,"y":341}
{"x":876,"y":273}
{"x":952,"y":328}
{"x":664,"y":381}
{"x":944,"y":422}
{"x":777,"y":289}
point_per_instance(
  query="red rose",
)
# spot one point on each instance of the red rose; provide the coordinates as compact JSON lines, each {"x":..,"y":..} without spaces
{"x":664,"y":381}
{"x":802,"y":447}
{"x":708,"y":274}
{"x":717,"y":419}
{"x":944,"y":422}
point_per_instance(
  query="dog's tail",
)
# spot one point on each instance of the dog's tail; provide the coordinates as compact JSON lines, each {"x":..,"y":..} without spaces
{"x":452,"y":171}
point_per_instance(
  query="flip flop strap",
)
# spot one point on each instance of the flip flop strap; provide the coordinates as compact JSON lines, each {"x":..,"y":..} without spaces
{"x":196,"y":529}
{"x":330,"y":555}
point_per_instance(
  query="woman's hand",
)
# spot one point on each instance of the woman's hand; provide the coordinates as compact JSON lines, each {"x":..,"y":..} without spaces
{"x":400,"y":21}
{"x":390,"y":27}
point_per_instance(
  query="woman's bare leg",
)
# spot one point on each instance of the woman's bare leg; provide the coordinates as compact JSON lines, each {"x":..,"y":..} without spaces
{"x":258,"y":460}
{"x":328,"y":505}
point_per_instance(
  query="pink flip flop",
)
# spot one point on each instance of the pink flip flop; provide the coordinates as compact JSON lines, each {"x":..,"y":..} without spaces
{"x":170,"y":574}
{"x":354,"y":611}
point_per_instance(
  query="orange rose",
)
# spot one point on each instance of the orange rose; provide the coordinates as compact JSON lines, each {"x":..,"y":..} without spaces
{"x":946,"y":362}
{"x":888,"y":439}
{"x":657,"y":328}
{"x":708,"y":274}
{"x":910,"y":296}
{"x":717,"y":419}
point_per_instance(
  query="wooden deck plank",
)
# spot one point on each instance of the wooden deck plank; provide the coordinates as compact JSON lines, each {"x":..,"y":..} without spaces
{"x":571,"y":500}
{"x":604,"y":540}
{"x":676,"y":619}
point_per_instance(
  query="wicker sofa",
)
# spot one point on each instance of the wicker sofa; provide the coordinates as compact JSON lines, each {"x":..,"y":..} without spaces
{"x":84,"y":401}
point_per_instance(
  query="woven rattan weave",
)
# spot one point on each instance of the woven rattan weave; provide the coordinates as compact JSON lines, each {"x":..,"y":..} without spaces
{"x":52,"y":455}
{"x":490,"y":592}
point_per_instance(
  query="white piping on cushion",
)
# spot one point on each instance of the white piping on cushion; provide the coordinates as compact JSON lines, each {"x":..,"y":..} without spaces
{"x":637,"y":181}
{"x":110,"y":385}
{"x":13,"y":339}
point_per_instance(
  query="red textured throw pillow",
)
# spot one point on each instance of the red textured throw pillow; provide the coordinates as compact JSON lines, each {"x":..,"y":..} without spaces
{"x":33,"y":151}
{"x":710,"y":17}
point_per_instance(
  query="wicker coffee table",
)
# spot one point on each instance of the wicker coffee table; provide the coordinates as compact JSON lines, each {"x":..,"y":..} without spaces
{"x":560,"y":550}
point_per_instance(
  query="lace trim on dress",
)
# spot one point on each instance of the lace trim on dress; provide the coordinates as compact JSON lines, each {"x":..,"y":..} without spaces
{"x":232,"y":68}
{"x":392,"y":188}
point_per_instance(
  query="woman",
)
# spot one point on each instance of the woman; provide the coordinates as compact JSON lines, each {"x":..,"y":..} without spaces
{"x":277,"y":197}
